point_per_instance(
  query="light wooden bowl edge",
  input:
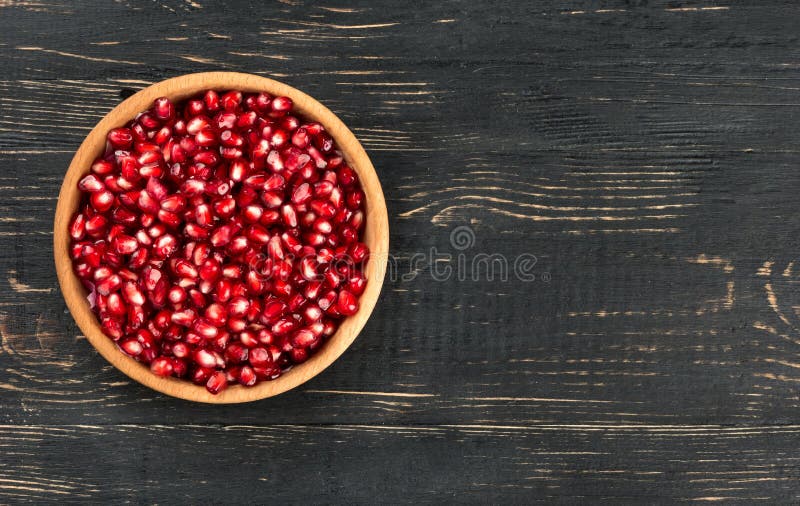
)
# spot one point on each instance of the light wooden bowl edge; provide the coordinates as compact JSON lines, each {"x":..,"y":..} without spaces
{"x":376,"y":236}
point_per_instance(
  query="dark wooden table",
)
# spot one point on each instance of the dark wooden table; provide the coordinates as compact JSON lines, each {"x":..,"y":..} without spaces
{"x":643,"y":152}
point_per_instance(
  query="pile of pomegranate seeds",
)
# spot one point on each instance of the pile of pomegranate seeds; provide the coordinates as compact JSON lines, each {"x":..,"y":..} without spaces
{"x":219,"y":238}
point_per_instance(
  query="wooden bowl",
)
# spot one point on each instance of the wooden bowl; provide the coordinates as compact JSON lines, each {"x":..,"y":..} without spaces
{"x":376,"y":235}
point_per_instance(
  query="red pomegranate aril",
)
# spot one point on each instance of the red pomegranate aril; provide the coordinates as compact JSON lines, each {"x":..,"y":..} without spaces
{"x":184,"y":318}
{"x":120,"y":138}
{"x":290,"y":123}
{"x":203,"y":215}
{"x":216,"y":314}
{"x":194,"y":108}
{"x":225,"y":120}
{"x":132,"y":294}
{"x":205,"y":358}
{"x":283,"y":326}
{"x":103,"y":167}
{"x":236,"y":353}
{"x":163,"y":108}
{"x":196,"y":297}
{"x":161,"y":366}
{"x":281,"y":104}
{"x":77,"y":228}
{"x":217,"y":382}
{"x":115,"y":305}
{"x":303,"y":338}
{"x":347,"y":303}
{"x":125,"y":244}
{"x":221,"y":236}
{"x":108,"y":285}
{"x":195,"y":231}
{"x":173,"y":203}
{"x":278,"y":138}
{"x":289,"y":215}
{"x":230,"y":101}
{"x":206,"y":138}
{"x":132,"y":347}
{"x":247,"y":376}
{"x":176,"y":295}
{"x":211,"y":101}
{"x":355,"y":199}
{"x":91,"y":184}
{"x":231,"y":139}
{"x":259,"y":357}
{"x":102,"y":201}
{"x":201,"y":375}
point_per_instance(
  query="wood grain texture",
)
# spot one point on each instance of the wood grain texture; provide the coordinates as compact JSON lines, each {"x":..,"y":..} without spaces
{"x":645,"y":153}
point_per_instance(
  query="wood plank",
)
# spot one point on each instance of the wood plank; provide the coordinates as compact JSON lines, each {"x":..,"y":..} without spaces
{"x":409,"y":464}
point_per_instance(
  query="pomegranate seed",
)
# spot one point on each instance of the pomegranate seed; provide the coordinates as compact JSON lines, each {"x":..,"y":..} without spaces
{"x":108,"y":285}
{"x":247,"y":376}
{"x":124,"y":244}
{"x":183,"y":318}
{"x":274,"y":161}
{"x":206,"y":138}
{"x":302,"y":194}
{"x":102,"y":167}
{"x":217,"y":382}
{"x":231,"y":100}
{"x":163,"y":109}
{"x":77,"y":228}
{"x":132,"y":294}
{"x":102,"y":201}
{"x":216,"y":314}
{"x":347,"y":304}
{"x":281,"y":104}
{"x":203,"y":216}
{"x":91,"y":184}
{"x":303,"y":338}
{"x":162,"y":366}
{"x":115,"y":305}
{"x":132,"y":347}
{"x":201,"y":375}
{"x":211,"y":100}
{"x":289,"y":215}
{"x":120,"y":138}
{"x":174,"y":203}
{"x":195,"y":108}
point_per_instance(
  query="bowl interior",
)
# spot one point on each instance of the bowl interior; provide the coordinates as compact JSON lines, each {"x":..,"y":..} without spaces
{"x":376,"y":234}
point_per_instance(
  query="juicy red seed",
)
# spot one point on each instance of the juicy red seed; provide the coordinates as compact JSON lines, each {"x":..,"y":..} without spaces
{"x":91,"y":184}
{"x":132,"y":347}
{"x":120,"y":138}
{"x":347,"y":304}
{"x":303,"y":338}
{"x":163,"y":108}
{"x":161,"y":366}
{"x":259,"y":357}
{"x":247,"y":376}
{"x":217,"y":382}
{"x":211,"y":100}
{"x":102,"y":167}
{"x":102,"y":201}
{"x":77,"y":228}
{"x":231,"y":100}
{"x":195,"y":108}
{"x":281,"y":104}
{"x":302,"y":194}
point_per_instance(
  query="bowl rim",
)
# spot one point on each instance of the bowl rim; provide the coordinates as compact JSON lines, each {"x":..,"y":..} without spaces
{"x":376,"y":235}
